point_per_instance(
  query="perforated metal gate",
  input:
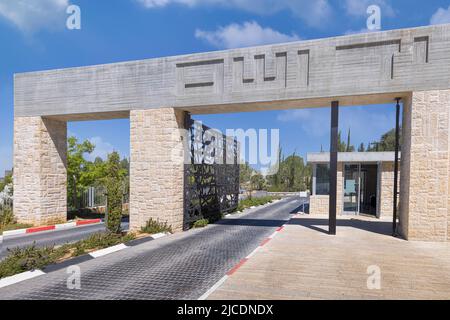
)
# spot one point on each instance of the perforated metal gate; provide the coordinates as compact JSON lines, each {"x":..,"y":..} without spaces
{"x":211,"y":174}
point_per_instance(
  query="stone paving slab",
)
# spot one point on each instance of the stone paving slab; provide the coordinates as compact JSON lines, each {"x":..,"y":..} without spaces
{"x":304,"y":262}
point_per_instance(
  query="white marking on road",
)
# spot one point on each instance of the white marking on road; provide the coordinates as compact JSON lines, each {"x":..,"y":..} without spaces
{"x":273,"y":235}
{"x":104,"y":252}
{"x":20,"y":277}
{"x":159,"y":235}
{"x":253,"y":253}
{"x":213,"y":288}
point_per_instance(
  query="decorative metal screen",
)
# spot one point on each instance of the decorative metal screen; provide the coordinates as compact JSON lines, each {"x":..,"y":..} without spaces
{"x":211,"y":174}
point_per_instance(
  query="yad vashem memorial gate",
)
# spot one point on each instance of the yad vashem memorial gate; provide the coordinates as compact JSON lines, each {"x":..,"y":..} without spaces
{"x":410,"y":67}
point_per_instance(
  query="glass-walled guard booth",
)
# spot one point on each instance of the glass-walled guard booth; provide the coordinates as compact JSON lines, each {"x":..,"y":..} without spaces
{"x":365,"y":183}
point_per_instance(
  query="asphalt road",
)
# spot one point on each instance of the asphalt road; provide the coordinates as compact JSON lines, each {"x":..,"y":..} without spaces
{"x":181,"y":266}
{"x":54,"y":237}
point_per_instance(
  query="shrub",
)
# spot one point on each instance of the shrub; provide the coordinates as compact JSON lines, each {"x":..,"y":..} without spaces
{"x":201,"y":223}
{"x":100,"y":240}
{"x":114,"y":190}
{"x":155,"y":226}
{"x":6,"y":216}
{"x":29,"y":258}
{"x":253,"y":202}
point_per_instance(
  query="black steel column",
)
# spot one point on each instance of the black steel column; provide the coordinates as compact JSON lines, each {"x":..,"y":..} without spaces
{"x":333,"y":166}
{"x":396,"y":165}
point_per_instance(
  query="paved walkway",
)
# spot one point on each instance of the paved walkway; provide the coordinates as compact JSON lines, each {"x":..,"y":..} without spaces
{"x":181,"y":266}
{"x":304,"y":262}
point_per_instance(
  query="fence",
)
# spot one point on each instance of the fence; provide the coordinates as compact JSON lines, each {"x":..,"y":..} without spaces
{"x":95,"y":197}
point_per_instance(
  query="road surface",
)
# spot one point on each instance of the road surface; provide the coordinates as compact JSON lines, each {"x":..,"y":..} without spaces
{"x":181,"y":266}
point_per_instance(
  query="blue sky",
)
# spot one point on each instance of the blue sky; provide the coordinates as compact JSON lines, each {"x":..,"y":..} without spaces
{"x":34,"y":37}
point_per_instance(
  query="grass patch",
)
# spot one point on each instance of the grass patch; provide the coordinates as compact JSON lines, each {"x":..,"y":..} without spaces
{"x":254,"y":202}
{"x":155,"y":226}
{"x":200,"y":223}
{"x":30,"y":258}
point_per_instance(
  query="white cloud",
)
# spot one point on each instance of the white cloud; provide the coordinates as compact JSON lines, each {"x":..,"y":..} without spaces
{"x":314,"y":13}
{"x":243,"y":35}
{"x":32,"y":15}
{"x":441,"y":16}
{"x":359,"y":7}
{"x":102,"y":149}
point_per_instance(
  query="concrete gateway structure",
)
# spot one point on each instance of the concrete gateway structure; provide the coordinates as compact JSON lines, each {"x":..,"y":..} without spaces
{"x":413,"y":64}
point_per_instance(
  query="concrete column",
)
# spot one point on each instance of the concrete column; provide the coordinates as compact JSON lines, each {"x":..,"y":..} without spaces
{"x":156,"y":167}
{"x":40,"y":173}
{"x":424,"y":186}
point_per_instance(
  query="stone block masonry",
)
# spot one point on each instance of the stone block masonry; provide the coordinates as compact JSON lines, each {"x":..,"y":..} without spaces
{"x":156,"y":167}
{"x":40,"y":173}
{"x":425,"y":169}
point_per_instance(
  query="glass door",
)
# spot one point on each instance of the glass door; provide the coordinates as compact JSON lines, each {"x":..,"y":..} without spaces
{"x":351,"y":188}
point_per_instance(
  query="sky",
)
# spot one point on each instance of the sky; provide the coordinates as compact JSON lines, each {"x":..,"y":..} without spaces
{"x":34,"y":36}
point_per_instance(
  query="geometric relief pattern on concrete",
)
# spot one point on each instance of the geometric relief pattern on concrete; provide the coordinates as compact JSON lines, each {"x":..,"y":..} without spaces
{"x":200,"y":77}
{"x":260,"y":70}
{"x":372,"y":58}
{"x":211,"y":175}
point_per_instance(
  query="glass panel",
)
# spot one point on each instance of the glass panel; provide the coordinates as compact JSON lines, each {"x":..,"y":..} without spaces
{"x":322,"y":180}
{"x":351,"y":180}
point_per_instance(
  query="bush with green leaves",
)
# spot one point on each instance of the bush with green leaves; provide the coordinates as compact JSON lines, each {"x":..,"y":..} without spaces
{"x":201,"y":223}
{"x":254,"y":202}
{"x":6,"y":216}
{"x":155,"y":226}
{"x":32,"y":257}
{"x":29,"y":258}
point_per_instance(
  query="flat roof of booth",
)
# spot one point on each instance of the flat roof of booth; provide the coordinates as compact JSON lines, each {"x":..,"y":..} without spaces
{"x":356,"y":157}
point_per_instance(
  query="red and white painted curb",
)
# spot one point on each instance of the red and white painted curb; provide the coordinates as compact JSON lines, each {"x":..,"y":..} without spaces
{"x":239,"y":265}
{"x":63,"y":226}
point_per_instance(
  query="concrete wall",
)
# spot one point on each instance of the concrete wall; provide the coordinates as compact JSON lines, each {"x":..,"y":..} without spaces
{"x":40,"y":174}
{"x":353,"y":69}
{"x":156,"y":167}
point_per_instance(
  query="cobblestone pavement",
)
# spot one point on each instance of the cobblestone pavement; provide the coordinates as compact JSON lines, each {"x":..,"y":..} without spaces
{"x":181,"y":266}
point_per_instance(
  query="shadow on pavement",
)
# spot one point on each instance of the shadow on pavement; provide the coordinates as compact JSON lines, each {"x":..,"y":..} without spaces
{"x":379,"y":227}
{"x":251,"y":222}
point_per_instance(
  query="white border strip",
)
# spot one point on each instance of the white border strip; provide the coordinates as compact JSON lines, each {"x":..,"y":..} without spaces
{"x":20,"y":277}
{"x":65,"y":225}
{"x":104,"y":252}
{"x":14,"y":232}
{"x":159,"y":235}
{"x":253,"y":253}
{"x":213,"y":288}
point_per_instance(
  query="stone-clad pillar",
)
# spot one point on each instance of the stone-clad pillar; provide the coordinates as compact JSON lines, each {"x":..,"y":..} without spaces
{"x":156,"y":167}
{"x":424,"y":187}
{"x":40,"y":173}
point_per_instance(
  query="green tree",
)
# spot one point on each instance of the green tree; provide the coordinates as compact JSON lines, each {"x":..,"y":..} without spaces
{"x":245,"y":174}
{"x":114,"y":188}
{"x":386,"y":142}
{"x":258,"y":182}
{"x":78,"y":168}
{"x":361,"y":147}
{"x":7,"y":180}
